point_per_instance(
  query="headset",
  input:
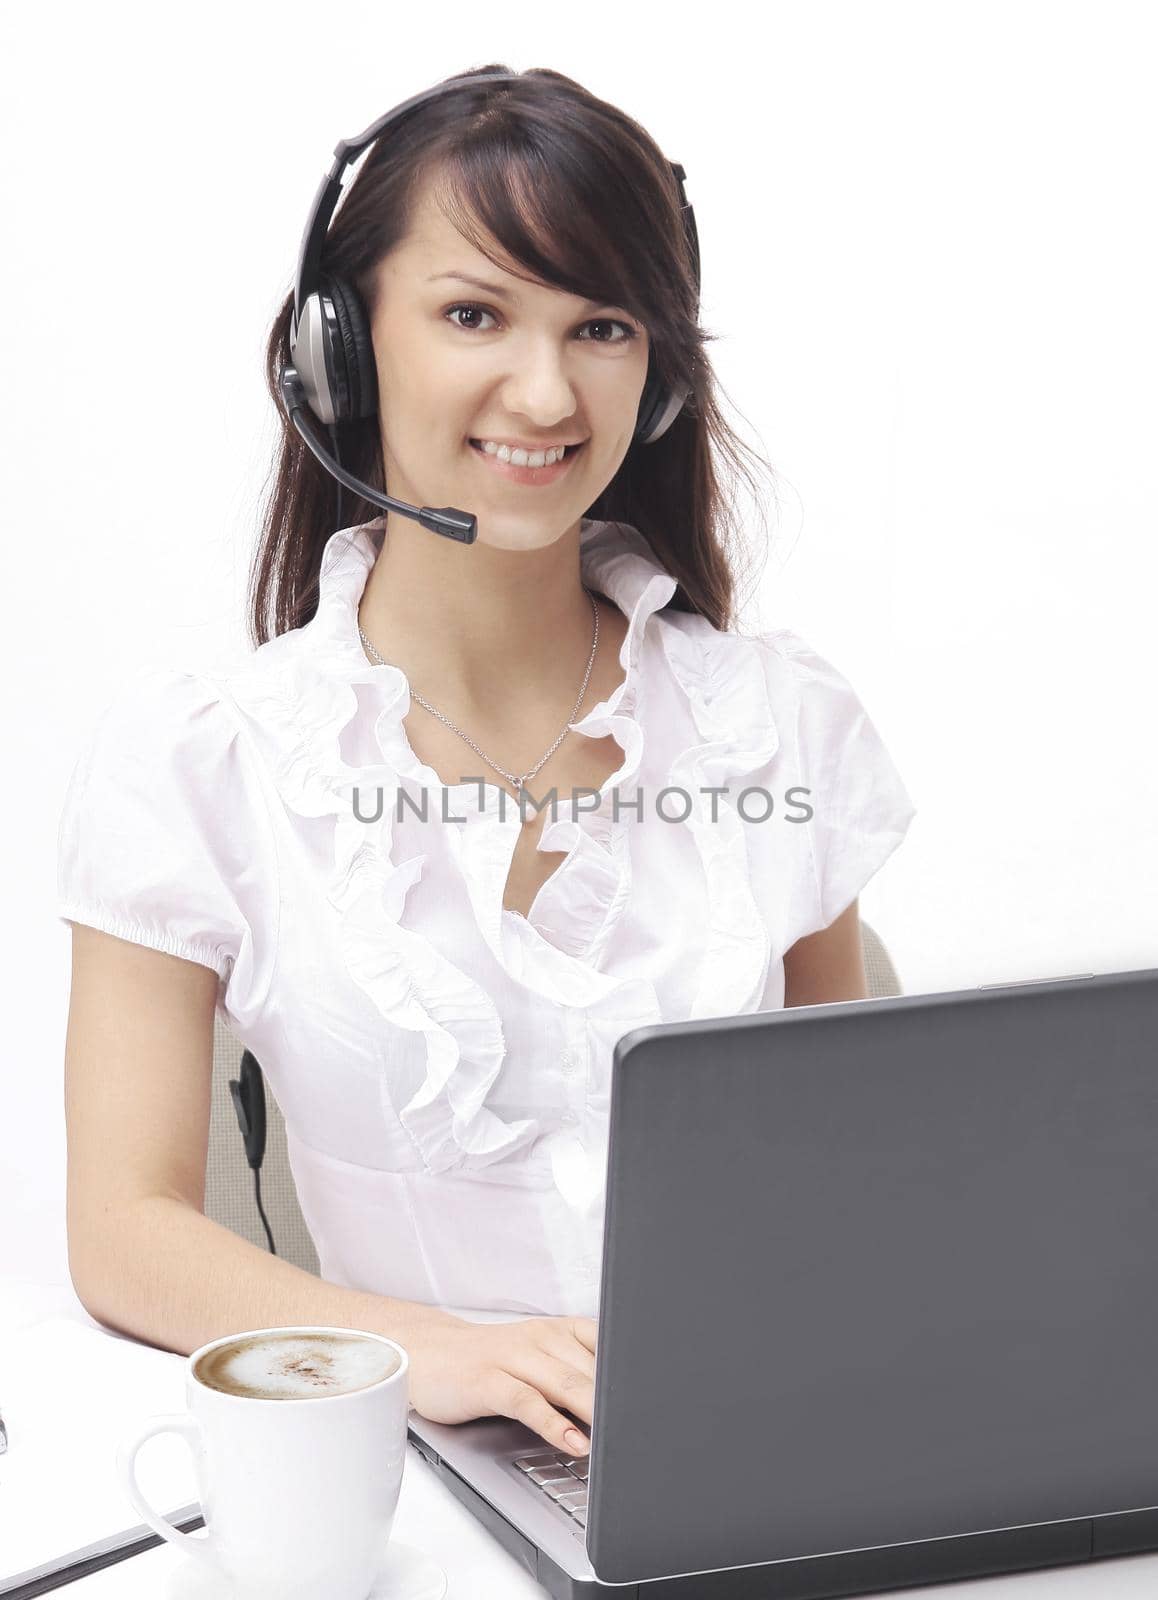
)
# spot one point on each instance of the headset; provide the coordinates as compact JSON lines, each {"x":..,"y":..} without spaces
{"x":331,"y":378}
{"x":331,"y":374}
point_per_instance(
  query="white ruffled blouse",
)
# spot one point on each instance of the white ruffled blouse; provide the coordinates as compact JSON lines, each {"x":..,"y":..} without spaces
{"x":443,"y":1064}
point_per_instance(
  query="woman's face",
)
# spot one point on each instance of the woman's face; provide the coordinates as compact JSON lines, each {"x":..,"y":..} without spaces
{"x":512,"y":362}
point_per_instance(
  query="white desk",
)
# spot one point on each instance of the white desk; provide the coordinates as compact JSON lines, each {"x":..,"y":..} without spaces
{"x":428,"y":1517}
{"x":431,"y":1519}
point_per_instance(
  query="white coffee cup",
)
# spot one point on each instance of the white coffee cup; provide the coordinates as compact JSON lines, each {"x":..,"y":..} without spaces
{"x":298,"y":1494}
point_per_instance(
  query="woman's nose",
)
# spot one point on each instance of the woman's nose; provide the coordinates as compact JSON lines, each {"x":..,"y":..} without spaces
{"x":539,"y":387}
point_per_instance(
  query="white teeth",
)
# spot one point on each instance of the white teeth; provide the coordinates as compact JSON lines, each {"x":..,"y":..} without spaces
{"x":521,"y":458}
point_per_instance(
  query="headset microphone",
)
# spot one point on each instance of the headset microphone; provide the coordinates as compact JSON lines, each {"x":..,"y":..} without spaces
{"x":453,"y":524}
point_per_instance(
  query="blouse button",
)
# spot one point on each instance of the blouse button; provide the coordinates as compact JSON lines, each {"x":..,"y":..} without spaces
{"x":568,"y":1061}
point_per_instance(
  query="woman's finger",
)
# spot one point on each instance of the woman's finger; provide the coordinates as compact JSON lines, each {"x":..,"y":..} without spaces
{"x":585,"y":1329}
{"x":511,"y":1397}
{"x":578,"y":1356}
{"x":566,"y":1386}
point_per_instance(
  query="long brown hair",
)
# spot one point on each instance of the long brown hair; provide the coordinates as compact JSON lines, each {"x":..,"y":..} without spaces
{"x":580,"y":195}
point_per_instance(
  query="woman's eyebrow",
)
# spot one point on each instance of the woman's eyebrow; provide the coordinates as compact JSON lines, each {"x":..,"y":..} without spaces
{"x":496,"y":289}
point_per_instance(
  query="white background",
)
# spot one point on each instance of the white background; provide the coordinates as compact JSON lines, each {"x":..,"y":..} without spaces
{"x":928,"y":246}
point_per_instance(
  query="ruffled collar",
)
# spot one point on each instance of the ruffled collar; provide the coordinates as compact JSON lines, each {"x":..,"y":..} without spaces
{"x":614,"y":559}
{"x":300,"y":689}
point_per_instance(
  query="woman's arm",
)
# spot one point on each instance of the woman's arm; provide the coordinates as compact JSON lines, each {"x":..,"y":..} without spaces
{"x":828,"y":965}
{"x":143,"y":1257}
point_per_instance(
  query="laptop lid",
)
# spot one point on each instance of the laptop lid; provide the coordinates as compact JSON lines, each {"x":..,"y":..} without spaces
{"x":877,"y":1273}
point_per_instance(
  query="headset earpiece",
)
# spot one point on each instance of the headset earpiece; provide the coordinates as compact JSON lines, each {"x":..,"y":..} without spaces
{"x":333,"y":355}
{"x":658,"y":407}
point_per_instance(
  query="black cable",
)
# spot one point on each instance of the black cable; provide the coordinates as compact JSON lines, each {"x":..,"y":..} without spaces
{"x":248,"y":1093}
{"x":261,"y":1212}
{"x":332,"y":429}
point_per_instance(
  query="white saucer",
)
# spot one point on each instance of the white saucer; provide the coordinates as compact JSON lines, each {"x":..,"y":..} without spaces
{"x":406,"y":1574}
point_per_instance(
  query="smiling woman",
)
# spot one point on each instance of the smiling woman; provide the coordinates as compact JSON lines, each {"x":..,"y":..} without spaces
{"x":564,"y":218}
{"x":436,"y":990}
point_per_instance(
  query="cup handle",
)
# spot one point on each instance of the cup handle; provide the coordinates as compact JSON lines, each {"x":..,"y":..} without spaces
{"x":205,"y":1549}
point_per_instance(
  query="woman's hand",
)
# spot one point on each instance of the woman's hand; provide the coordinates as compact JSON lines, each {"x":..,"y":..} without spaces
{"x":462,"y":1370}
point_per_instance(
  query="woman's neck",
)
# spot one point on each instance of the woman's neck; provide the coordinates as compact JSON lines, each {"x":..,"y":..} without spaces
{"x":472,"y":625}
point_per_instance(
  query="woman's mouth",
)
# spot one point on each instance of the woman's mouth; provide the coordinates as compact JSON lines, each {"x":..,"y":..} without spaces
{"x":531,"y":476}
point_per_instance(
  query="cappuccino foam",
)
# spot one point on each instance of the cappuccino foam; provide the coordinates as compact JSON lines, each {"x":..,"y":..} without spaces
{"x":296,"y":1366}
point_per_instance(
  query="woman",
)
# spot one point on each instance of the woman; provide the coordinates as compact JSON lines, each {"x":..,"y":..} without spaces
{"x":470,"y":812}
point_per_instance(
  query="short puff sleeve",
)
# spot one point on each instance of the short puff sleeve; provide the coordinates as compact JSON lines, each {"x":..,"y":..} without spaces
{"x":861,"y":808}
{"x":164,"y":837}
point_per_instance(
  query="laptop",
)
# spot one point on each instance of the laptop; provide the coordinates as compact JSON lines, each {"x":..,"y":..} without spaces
{"x":878,"y":1305}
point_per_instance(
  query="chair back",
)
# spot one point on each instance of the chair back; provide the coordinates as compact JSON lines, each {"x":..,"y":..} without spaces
{"x":878,"y":966}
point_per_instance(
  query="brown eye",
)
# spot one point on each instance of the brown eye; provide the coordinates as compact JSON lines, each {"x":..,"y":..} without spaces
{"x":478,"y":310}
{"x":613,"y":322}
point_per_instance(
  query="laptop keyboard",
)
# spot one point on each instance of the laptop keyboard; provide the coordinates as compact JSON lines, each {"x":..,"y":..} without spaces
{"x":561,"y":1477}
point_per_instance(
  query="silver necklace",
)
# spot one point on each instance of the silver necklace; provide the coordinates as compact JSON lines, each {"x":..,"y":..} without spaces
{"x":510,"y":776}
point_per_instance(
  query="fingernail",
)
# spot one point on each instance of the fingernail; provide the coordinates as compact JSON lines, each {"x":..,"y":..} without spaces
{"x":575,"y":1440}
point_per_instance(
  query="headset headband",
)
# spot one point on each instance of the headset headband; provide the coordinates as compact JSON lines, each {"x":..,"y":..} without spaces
{"x":347,"y":151}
